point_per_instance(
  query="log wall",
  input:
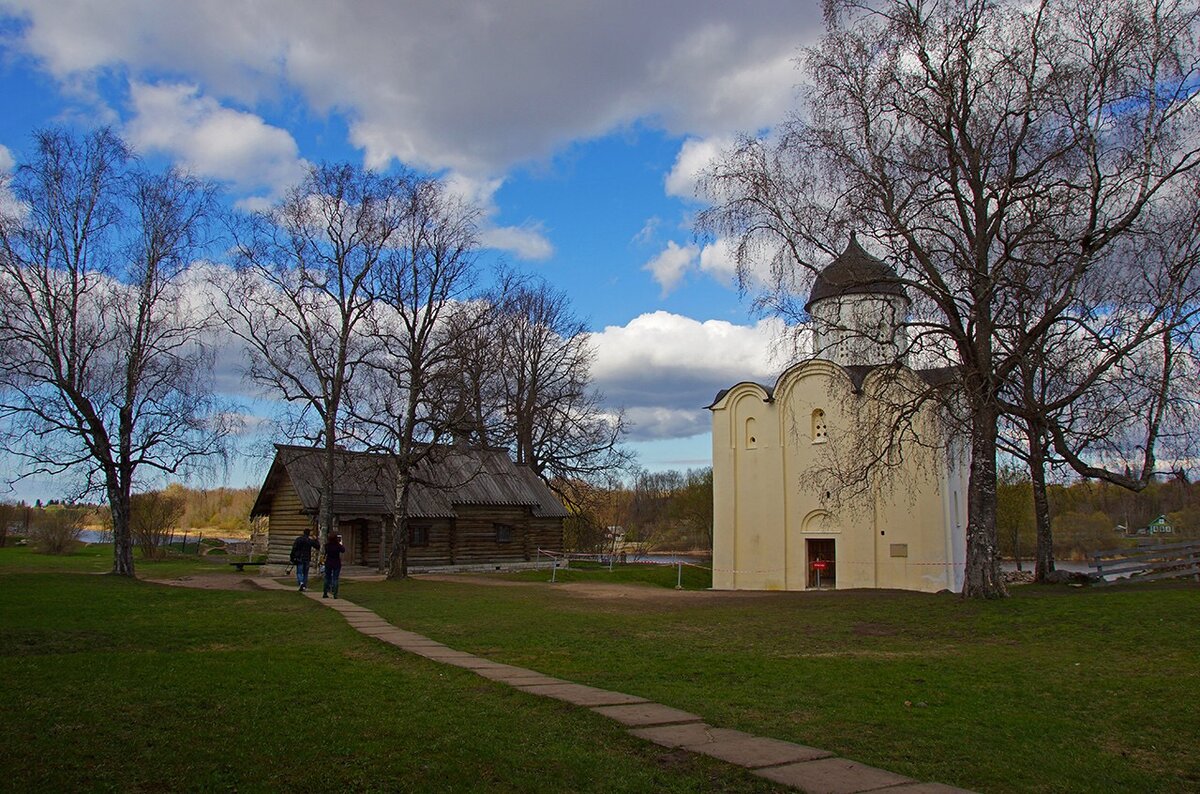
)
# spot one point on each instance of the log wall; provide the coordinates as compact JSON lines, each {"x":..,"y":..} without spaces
{"x":468,"y":540}
{"x":285,"y":523}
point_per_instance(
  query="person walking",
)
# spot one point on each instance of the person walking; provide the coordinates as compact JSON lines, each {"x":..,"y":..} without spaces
{"x":301,"y":557}
{"x":333,"y":563}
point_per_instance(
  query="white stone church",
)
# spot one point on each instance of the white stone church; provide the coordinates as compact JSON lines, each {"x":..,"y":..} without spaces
{"x":775,"y":527}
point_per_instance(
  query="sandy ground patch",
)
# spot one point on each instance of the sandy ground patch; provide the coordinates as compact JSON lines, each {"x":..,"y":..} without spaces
{"x":209,"y":581}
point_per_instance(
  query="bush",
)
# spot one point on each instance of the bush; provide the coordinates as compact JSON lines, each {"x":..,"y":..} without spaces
{"x":57,"y":531}
{"x":153,"y":515}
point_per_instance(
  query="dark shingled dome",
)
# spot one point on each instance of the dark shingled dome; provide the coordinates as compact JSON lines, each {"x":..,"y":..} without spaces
{"x":855,"y":272}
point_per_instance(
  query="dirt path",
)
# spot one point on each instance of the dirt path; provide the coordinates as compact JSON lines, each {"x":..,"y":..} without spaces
{"x":607,"y":591}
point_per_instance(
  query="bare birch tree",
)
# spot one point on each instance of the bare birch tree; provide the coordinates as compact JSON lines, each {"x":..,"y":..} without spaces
{"x":996,"y":151}
{"x":422,"y":292}
{"x":301,"y":298}
{"x":105,"y":371}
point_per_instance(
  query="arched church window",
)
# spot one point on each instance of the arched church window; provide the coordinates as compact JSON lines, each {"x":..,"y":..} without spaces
{"x":820,"y":431}
{"x":751,"y":437}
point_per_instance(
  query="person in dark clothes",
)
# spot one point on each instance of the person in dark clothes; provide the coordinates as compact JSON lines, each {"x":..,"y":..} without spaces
{"x":302,"y":549}
{"x":333,"y":563}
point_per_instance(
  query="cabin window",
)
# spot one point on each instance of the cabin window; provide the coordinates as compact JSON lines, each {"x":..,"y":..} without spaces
{"x":503,"y":533}
{"x":820,"y":430}
{"x":418,"y":535}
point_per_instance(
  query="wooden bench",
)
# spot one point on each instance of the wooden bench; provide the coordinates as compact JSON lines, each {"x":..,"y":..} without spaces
{"x":241,"y":566}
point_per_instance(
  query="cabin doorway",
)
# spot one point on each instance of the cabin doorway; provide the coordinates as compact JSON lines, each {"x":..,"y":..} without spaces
{"x":822,"y":563}
{"x":354,"y":538}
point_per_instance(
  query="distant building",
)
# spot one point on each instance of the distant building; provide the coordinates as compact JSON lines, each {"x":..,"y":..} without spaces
{"x":774,"y":528}
{"x":472,"y":506}
{"x":1159,"y":526}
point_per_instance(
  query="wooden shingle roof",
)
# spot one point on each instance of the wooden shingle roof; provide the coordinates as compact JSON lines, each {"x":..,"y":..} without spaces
{"x":365,"y":483}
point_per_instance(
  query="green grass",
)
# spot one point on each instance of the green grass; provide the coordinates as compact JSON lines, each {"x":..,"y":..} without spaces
{"x":117,"y":684}
{"x":1051,"y":690}
{"x":693,"y":578}
{"x":98,"y":558}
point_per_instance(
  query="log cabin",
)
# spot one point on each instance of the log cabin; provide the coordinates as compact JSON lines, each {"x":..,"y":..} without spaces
{"x":468,"y":507}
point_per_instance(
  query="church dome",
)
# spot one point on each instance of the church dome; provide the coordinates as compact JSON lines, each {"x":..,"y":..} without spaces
{"x":855,"y":272}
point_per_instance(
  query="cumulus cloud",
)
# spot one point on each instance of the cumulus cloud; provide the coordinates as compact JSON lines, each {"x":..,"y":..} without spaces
{"x":397,"y":73}
{"x":524,"y":242}
{"x":211,"y":140}
{"x":694,"y":156}
{"x":8,"y":202}
{"x":665,"y":368}
{"x":527,"y":242}
{"x":719,"y":260}
{"x":671,"y":264}
{"x":716,"y":259}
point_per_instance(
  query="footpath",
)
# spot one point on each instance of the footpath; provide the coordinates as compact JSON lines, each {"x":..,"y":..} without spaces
{"x":805,"y":768}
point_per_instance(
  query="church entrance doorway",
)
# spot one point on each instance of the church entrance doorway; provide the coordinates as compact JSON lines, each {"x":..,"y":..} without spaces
{"x":822,"y":563}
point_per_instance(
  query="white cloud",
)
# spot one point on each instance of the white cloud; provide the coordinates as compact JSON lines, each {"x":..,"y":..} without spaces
{"x":211,"y":140}
{"x":719,"y":260}
{"x":537,"y":76}
{"x":669,"y":267}
{"x":665,"y":368}
{"x":527,"y":243}
{"x":9,"y":206}
{"x":694,"y":157}
{"x":673,"y":263}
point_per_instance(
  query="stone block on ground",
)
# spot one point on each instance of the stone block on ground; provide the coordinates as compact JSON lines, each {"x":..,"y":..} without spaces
{"x":756,"y":751}
{"x":519,"y":680}
{"x":832,"y":776}
{"x":579,"y":694}
{"x":469,"y":662}
{"x":691,"y":733}
{"x":644,"y":714}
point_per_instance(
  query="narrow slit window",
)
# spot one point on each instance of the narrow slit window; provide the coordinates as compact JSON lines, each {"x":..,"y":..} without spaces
{"x":751,"y":434}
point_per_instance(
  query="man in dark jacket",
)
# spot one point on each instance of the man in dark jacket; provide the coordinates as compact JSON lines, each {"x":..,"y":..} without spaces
{"x":302,"y":549}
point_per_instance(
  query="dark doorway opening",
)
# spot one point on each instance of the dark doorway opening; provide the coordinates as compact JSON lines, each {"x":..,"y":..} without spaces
{"x":822,"y":563}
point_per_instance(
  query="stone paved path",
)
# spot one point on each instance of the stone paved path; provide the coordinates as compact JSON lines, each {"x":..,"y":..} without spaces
{"x":805,"y":768}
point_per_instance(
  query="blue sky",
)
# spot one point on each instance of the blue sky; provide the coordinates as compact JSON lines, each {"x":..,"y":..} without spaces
{"x":577,"y":127}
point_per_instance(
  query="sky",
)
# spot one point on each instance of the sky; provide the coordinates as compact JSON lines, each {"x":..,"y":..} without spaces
{"x":578,"y":127}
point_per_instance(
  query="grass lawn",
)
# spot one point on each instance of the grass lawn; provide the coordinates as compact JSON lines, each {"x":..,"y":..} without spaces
{"x":114,"y":684}
{"x":1055,"y":689}
{"x":117,"y":684}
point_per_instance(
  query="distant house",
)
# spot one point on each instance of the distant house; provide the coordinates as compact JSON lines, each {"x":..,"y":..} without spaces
{"x":1159,"y":526}
{"x":473,"y":506}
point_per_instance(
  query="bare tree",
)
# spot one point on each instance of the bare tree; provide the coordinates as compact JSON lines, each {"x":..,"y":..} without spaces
{"x":998,"y":151}
{"x":552,"y":416}
{"x":1110,"y":385}
{"x":105,"y":371}
{"x":301,"y":297}
{"x":422,"y":292}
